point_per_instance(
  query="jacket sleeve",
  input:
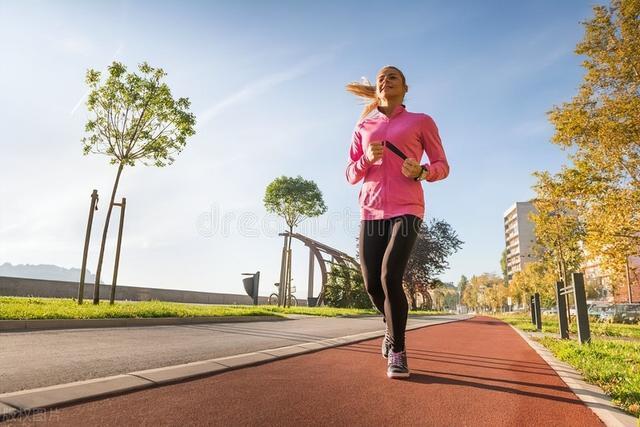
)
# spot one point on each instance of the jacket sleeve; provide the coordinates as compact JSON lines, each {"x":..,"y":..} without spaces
{"x":358,"y":164}
{"x":438,"y":165}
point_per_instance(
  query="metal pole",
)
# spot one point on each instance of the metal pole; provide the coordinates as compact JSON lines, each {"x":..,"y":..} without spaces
{"x":584,"y":332}
{"x":288,"y":288}
{"x":87,"y":238}
{"x":256,"y":284}
{"x":562,"y":313}
{"x":536,"y":298}
{"x":310,"y":285}
{"x":122,"y":205}
{"x":532,"y":304}
{"x":283,"y":273}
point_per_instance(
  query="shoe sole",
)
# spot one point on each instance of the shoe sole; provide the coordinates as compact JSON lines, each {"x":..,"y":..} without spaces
{"x":398,"y":374}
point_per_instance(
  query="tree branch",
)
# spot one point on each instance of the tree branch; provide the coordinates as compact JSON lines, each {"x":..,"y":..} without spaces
{"x":103,"y":132}
{"x":135,"y":155}
{"x":144,"y":109}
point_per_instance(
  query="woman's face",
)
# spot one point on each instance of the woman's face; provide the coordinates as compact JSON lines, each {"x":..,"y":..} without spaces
{"x":389,"y":84}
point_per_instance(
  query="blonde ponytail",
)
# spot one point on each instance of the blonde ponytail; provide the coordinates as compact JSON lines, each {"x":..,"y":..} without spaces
{"x":366,"y":92}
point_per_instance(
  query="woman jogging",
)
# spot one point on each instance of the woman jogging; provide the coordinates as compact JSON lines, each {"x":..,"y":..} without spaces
{"x":386,"y":148}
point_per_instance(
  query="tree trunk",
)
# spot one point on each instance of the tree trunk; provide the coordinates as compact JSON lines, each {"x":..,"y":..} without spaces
{"x":628,"y":279}
{"x":563,"y":275}
{"x":96,"y":289}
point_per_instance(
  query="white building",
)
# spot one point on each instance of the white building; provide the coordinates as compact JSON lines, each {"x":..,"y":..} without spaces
{"x":519,"y":237}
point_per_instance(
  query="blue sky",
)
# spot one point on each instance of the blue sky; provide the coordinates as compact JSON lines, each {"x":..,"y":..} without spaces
{"x":266,"y":81}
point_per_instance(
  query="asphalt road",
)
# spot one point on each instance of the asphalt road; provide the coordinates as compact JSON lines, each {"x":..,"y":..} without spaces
{"x":43,"y":358}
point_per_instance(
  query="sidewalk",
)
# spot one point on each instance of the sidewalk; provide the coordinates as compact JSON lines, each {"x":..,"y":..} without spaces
{"x":474,"y":372}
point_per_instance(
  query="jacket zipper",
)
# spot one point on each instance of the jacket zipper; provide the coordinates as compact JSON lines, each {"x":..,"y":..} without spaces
{"x":385,"y":188}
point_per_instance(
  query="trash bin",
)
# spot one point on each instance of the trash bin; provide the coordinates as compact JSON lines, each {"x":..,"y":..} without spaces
{"x":248,"y":285}
{"x":311,"y":301}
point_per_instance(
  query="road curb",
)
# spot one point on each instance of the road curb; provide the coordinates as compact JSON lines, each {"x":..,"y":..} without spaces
{"x":45,"y":324}
{"x":36,"y":401}
{"x":591,"y":395}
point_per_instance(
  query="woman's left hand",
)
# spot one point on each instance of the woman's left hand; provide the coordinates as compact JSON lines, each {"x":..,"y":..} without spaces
{"x":411,"y":168}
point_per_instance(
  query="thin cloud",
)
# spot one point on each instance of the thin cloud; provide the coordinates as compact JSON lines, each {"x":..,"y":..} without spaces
{"x":79,"y":103}
{"x":263,"y":85}
{"x":530,"y":128}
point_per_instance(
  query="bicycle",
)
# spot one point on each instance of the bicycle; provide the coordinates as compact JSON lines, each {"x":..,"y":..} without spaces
{"x":273,"y":298}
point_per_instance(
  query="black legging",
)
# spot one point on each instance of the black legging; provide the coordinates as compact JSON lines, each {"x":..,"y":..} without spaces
{"x":385,"y":247}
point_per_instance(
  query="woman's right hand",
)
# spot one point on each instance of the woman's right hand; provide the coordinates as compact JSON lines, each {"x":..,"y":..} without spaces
{"x":374,"y":151}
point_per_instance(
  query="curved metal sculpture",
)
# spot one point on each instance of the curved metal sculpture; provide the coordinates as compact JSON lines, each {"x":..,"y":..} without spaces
{"x":427,"y":300}
{"x":316,"y":249}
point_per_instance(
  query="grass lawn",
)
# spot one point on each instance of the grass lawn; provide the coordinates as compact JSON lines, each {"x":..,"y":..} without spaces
{"x":21,"y":308}
{"x":613,"y":365}
{"x":550,"y":324}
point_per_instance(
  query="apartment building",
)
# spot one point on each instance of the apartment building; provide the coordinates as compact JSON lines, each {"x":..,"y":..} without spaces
{"x":627,"y":291}
{"x":519,"y":237}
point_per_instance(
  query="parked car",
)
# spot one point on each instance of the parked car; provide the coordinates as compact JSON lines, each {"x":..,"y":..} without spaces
{"x":622,"y":313}
{"x":597,"y":310}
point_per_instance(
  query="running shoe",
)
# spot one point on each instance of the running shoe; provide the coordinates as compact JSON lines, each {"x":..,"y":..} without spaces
{"x":397,"y":364}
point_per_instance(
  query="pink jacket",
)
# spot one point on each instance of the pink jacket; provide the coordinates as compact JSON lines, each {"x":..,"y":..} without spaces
{"x":386,"y":192}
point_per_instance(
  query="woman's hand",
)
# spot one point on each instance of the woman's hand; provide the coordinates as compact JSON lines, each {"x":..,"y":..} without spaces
{"x":411,"y":168}
{"x":374,"y":151}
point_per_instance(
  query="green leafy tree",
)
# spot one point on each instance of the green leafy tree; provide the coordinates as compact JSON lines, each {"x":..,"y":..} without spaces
{"x":294,"y":199}
{"x":436,"y":242}
{"x":450,"y":298}
{"x":503,"y":266}
{"x":133,"y":118}
{"x":599,"y":127}
{"x":345,"y":288}
{"x":462,"y":284}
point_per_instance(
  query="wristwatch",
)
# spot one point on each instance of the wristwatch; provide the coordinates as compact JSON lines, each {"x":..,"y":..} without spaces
{"x":423,"y":174}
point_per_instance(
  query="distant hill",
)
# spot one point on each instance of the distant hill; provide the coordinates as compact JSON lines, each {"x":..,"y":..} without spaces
{"x":46,"y":272}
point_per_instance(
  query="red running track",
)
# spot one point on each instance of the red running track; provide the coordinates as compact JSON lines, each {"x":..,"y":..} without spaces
{"x":477,"y":372}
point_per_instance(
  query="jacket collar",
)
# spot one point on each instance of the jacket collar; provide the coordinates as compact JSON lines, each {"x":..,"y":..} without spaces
{"x":398,"y":110}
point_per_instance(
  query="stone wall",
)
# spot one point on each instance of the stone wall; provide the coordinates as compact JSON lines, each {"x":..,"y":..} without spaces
{"x":15,"y":286}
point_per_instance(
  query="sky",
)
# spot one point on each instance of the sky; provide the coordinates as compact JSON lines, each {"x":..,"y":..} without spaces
{"x":266,"y":83}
